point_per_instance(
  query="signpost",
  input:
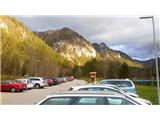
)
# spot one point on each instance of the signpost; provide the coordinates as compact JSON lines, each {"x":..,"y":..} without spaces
{"x":93,"y":76}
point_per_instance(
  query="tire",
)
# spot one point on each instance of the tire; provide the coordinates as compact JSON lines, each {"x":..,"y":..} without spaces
{"x":13,"y":89}
{"x":37,"y":86}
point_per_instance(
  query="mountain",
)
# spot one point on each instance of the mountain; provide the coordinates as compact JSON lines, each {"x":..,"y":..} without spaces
{"x":113,"y":55}
{"x":69,"y":44}
{"x":77,"y":49}
{"x":149,"y":63}
{"x":22,"y":51}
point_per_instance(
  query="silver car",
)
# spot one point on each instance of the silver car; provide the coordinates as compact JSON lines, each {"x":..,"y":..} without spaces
{"x":88,"y":98}
{"x":125,"y":84}
{"x":108,"y":87}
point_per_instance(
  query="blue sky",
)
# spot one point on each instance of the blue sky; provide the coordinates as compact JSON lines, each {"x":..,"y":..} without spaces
{"x":126,"y":33}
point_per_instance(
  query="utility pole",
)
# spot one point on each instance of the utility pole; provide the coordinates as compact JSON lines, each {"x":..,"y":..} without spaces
{"x":155,"y":53}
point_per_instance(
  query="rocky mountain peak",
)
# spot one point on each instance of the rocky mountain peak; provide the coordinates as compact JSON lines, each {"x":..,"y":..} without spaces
{"x":103,"y":45}
{"x":69,"y":44}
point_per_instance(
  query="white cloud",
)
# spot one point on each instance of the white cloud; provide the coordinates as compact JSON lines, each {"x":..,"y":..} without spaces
{"x":128,"y":34}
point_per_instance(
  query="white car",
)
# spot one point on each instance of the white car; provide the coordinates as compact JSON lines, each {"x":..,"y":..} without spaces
{"x":108,"y":87}
{"x":88,"y":98}
{"x":38,"y":82}
{"x":28,"y":83}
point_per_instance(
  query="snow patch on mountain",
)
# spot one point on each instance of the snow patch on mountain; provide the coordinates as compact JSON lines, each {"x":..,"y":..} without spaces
{"x":4,"y":26}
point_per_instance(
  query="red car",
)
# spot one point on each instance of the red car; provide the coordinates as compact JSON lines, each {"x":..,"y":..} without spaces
{"x":23,"y":84}
{"x":49,"y":82}
{"x":12,"y":86}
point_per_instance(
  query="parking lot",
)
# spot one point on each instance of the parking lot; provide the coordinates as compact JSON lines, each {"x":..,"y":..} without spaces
{"x":29,"y":97}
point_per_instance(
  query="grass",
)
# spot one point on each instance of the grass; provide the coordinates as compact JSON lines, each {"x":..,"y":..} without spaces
{"x":148,"y":92}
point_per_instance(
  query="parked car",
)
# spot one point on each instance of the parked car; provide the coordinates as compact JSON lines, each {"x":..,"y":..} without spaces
{"x":88,"y":98}
{"x":108,"y":87}
{"x":24,"y":84}
{"x":55,"y":81}
{"x":125,"y":84}
{"x":70,"y":78}
{"x":11,"y":86}
{"x":38,"y":82}
{"x":61,"y":80}
{"x":49,"y":82}
{"x":28,"y":83}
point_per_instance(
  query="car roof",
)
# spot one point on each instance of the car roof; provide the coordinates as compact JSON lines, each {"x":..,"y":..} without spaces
{"x":87,"y":93}
{"x":36,"y":77}
{"x":116,"y":80}
{"x":95,"y":85}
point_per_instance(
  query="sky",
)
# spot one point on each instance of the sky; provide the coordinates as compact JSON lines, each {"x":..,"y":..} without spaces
{"x":128,"y":34}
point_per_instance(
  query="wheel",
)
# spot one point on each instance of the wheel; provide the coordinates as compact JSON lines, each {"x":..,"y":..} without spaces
{"x":13,"y":90}
{"x":37,"y":86}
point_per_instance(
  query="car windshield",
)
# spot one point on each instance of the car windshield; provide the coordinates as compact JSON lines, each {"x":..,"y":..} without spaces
{"x":117,"y":88}
{"x":18,"y":81}
{"x":118,"y":83}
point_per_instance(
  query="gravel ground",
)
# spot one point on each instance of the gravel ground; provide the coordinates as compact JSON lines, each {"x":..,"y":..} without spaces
{"x":29,"y":97}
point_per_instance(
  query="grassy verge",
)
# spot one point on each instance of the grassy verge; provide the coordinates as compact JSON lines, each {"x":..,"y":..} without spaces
{"x":148,"y":92}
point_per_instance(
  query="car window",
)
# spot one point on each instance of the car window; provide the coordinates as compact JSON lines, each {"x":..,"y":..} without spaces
{"x":117,"y":83}
{"x":126,"y":84}
{"x":5,"y":82}
{"x":112,"y":90}
{"x":117,"y":88}
{"x":34,"y":79}
{"x":120,"y":83}
{"x":92,"y":89}
{"x":18,"y":81}
{"x":91,"y":101}
{"x":59,"y":101}
{"x":103,"y":82}
{"x":83,"y":89}
{"x":118,"y":101}
{"x":29,"y":81}
{"x":97,"y":89}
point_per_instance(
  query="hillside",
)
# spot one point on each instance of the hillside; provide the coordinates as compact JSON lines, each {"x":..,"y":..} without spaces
{"x":149,"y":63}
{"x":69,"y":44}
{"x":22,"y":51}
{"x":114,"y":55}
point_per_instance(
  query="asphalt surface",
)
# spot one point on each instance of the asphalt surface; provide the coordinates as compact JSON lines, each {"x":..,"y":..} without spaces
{"x":30,"y":97}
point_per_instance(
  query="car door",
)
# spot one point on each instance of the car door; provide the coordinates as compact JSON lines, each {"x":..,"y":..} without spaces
{"x":34,"y":80}
{"x":4,"y":86}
